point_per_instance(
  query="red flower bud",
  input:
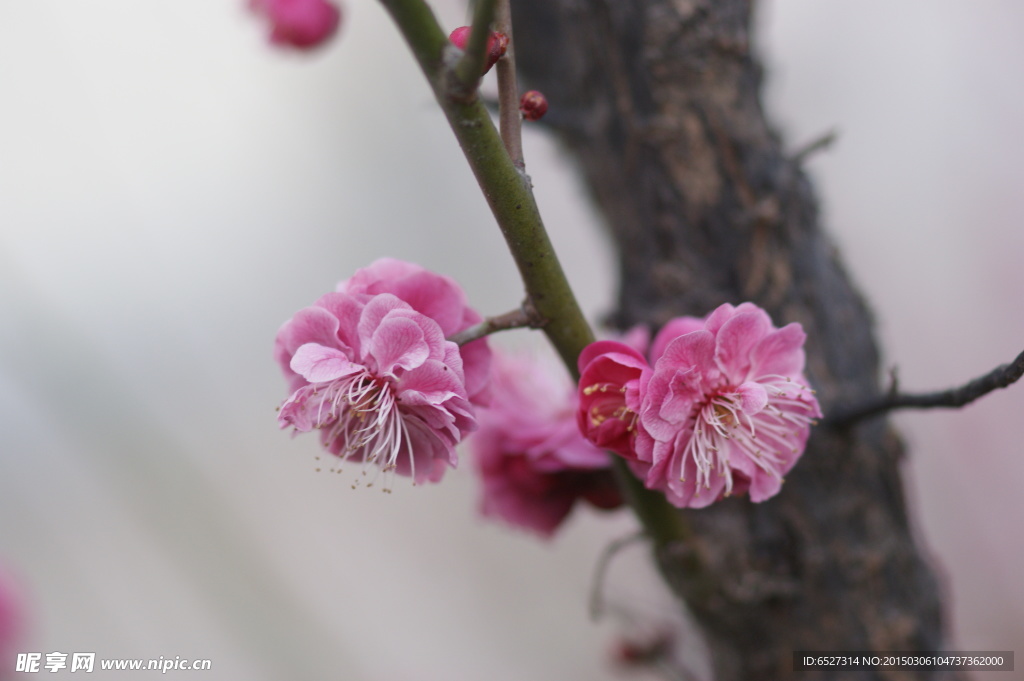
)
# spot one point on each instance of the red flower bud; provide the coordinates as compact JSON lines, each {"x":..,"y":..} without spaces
{"x":533,"y":104}
{"x":497,"y":44}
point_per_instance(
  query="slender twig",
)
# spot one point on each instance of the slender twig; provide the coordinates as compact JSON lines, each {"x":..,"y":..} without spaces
{"x":597,"y":605}
{"x":471,"y":65}
{"x":520,"y":318}
{"x":510,"y":120}
{"x":818,"y":144}
{"x":1000,"y":377}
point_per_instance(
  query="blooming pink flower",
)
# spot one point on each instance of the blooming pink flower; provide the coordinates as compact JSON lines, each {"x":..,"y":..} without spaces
{"x":531,"y":458}
{"x":725,"y":409}
{"x":375,"y":374}
{"x":611,"y":375}
{"x":439,"y":298}
{"x":302,"y":24}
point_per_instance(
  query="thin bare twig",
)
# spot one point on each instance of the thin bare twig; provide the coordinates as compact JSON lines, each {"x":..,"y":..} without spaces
{"x":1000,"y":377}
{"x":597,"y":605}
{"x":818,"y":144}
{"x":520,"y":318}
{"x":509,"y":118}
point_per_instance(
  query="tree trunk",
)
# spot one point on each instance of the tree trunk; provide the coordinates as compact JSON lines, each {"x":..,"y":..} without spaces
{"x":659,"y":102}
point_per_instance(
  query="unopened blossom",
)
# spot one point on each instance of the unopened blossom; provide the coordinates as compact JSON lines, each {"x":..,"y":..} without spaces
{"x":300,"y":24}
{"x":533,"y":105}
{"x":611,"y":375}
{"x":377,"y":376}
{"x":725,"y":408}
{"x":533,"y":462}
{"x":497,"y":44}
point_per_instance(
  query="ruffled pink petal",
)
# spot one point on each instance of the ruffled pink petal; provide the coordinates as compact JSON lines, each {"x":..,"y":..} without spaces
{"x":680,"y":326}
{"x":695,"y":349}
{"x":620,"y":353}
{"x":736,"y":339}
{"x":373,"y":313}
{"x":683,"y":392}
{"x":720,"y":316}
{"x":431,"y":294}
{"x":309,"y":325}
{"x":431,"y":383}
{"x":436,"y":296}
{"x":476,"y":364}
{"x":347,"y":310}
{"x":397,"y":343}
{"x":319,"y":364}
{"x":779,"y":353}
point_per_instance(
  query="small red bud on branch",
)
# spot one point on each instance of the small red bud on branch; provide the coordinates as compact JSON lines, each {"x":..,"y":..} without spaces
{"x":533,"y":104}
{"x":497,"y":44}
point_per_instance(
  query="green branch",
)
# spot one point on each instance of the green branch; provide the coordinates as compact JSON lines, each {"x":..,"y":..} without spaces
{"x":506,"y":189}
{"x":511,"y":200}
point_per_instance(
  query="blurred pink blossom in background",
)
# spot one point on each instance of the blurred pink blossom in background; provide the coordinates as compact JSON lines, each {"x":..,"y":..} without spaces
{"x":532,"y":461}
{"x":302,"y":24}
{"x":12,"y":622}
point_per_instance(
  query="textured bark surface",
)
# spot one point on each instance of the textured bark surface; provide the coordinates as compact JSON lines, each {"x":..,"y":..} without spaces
{"x":659,"y":102}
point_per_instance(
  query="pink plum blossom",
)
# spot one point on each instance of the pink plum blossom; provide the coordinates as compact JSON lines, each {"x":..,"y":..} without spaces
{"x":438,"y":297}
{"x":375,"y":374}
{"x":724,"y":410}
{"x":301,"y":24}
{"x":531,"y":458}
{"x":611,"y":374}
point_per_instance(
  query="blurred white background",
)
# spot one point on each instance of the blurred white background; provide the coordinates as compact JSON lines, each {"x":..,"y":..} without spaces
{"x":171,"y":190}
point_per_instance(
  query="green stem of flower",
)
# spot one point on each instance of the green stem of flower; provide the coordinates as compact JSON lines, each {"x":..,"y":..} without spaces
{"x":660,"y":519}
{"x":510,"y":197}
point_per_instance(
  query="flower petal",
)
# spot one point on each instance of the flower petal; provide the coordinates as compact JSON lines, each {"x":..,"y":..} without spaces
{"x":736,"y":339}
{"x":753,"y":397}
{"x":779,"y":353}
{"x":680,"y":326}
{"x":347,"y":310}
{"x":620,"y":352}
{"x":433,"y":382}
{"x":695,"y":349}
{"x":377,"y":308}
{"x":397,"y":342}
{"x":319,"y":364}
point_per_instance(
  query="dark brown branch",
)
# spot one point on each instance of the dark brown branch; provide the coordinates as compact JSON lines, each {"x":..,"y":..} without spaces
{"x":659,"y":104}
{"x":1002,"y":376}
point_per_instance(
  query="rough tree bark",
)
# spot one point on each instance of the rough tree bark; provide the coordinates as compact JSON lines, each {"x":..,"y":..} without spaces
{"x":659,"y":102}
